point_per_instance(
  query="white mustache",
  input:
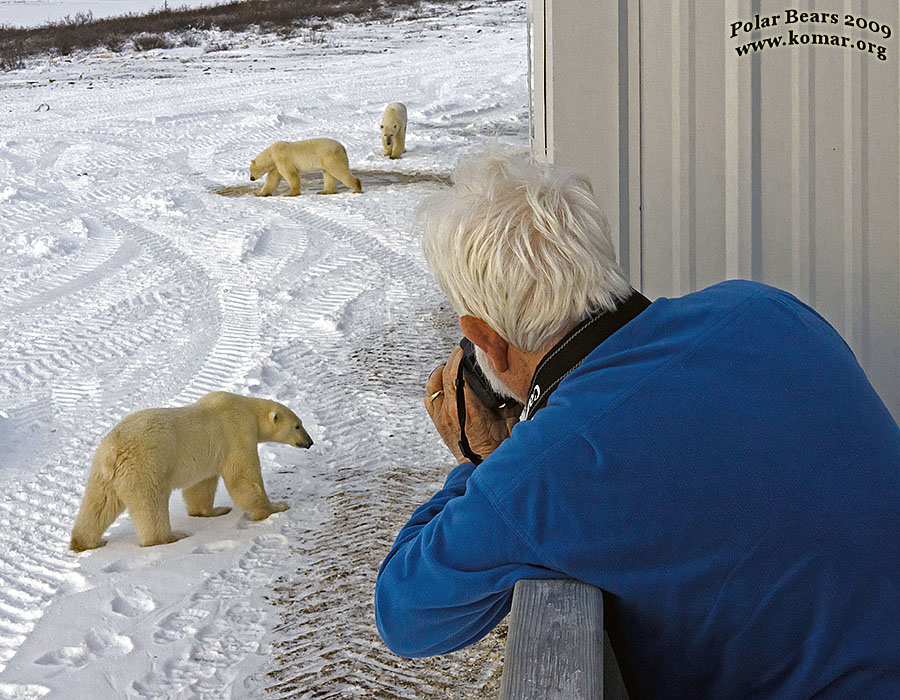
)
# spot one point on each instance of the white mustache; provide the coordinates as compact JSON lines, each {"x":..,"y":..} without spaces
{"x":493,"y":379}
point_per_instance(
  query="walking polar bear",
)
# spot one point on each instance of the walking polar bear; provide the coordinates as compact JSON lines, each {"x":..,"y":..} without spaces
{"x":154,"y":451}
{"x":288,"y":159}
{"x":393,"y":130}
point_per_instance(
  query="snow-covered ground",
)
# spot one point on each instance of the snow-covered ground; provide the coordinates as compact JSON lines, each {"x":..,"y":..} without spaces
{"x":33,"y":13}
{"x":137,"y":270}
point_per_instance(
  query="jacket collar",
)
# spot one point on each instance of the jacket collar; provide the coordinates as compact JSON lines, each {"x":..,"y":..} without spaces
{"x":570,"y":352}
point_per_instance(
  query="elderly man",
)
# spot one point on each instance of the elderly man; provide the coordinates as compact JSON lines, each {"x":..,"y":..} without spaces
{"x":718,"y":463}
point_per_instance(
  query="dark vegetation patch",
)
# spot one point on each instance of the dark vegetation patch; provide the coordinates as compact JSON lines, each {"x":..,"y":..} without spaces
{"x":170,"y":27}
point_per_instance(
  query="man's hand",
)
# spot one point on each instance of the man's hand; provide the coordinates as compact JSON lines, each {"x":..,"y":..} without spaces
{"x":485,"y":429}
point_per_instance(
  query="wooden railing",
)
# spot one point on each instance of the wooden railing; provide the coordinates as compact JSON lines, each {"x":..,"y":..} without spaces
{"x":557,"y":648}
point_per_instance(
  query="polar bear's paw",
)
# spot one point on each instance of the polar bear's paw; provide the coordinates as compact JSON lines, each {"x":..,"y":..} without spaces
{"x":173,"y":536}
{"x":275,"y":507}
{"x":212,"y":512}
{"x":280,"y":506}
{"x":78,"y":545}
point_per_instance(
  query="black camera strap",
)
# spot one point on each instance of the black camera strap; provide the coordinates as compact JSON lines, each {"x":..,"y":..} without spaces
{"x":570,"y":352}
{"x":464,"y":447}
{"x":564,"y":357}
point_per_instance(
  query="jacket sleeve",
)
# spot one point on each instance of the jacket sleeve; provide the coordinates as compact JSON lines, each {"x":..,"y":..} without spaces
{"x":448,"y":579}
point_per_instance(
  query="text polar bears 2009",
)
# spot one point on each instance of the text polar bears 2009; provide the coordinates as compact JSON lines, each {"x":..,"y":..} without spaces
{"x":871,"y":42}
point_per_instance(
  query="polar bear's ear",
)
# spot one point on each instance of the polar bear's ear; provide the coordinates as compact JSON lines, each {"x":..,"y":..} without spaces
{"x":273,"y":415}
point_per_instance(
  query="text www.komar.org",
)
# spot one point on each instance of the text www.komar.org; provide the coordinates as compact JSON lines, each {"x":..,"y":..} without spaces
{"x":808,"y":36}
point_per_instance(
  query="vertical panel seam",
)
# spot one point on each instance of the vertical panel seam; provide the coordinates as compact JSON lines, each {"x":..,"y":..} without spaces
{"x":624,"y":141}
{"x":850,"y":174}
{"x":864,"y":222}
{"x":675,"y":154}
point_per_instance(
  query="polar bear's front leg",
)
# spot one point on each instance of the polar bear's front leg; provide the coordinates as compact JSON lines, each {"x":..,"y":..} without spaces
{"x":293,"y":178}
{"x":199,"y":499}
{"x":272,"y":180}
{"x":399,"y":146}
{"x":245,"y":486}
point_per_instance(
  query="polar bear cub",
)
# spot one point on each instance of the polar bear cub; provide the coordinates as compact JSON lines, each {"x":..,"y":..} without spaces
{"x":393,"y":130}
{"x":288,"y":159}
{"x":151,"y":452}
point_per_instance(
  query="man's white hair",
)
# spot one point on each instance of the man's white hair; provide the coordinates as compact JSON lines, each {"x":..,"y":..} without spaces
{"x":523,"y":246}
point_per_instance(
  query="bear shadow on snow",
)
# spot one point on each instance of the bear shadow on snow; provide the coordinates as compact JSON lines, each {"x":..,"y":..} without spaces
{"x":311,"y":182}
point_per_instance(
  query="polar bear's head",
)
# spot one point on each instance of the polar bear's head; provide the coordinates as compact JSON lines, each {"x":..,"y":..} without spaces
{"x":390,"y":127}
{"x":256,"y":170}
{"x":264,"y":162}
{"x":286,"y":427}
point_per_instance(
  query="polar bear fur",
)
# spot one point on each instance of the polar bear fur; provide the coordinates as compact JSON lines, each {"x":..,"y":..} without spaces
{"x":393,"y":130}
{"x":154,"y":451}
{"x":288,"y":159}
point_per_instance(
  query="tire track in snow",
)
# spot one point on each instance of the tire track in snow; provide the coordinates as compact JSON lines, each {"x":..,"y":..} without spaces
{"x":104,"y":253}
{"x":106,"y":314}
{"x":324,"y":293}
{"x":235,"y":350}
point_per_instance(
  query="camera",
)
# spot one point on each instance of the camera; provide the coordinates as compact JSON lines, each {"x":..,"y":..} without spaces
{"x":476,"y":380}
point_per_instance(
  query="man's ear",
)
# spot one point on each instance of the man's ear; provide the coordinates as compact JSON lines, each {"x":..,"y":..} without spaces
{"x":485,"y":337}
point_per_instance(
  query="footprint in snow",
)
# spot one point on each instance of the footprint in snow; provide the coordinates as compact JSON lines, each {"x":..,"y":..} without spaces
{"x":215,"y":547}
{"x":139,"y":602}
{"x":131,"y":563}
{"x":18,"y":691}
{"x":179,"y":625}
{"x":97,"y":644}
{"x":256,"y":566}
{"x":72,"y":582}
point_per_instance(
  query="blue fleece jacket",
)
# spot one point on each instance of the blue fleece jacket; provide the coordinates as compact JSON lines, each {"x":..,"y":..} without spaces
{"x":723,"y":468}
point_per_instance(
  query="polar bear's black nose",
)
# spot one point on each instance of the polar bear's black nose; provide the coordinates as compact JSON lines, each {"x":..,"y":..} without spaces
{"x":252,"y":178}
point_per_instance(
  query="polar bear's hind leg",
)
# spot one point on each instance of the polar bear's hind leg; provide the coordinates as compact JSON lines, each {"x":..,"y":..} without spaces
{"x":337,"y":165}
{"x":355,"y":184}
{"x":342,"y":173}
{"x":199,"y":499}
{"x":99,"y":508}
{"x":150,"y":514}
{"x":329,"y":183}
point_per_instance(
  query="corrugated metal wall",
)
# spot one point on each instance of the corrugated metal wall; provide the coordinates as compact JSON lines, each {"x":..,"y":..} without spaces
{"x":766,"y":146}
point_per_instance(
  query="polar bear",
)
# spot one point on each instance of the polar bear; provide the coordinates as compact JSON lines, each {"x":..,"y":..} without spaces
{"x":393,"y":130}
{"x":288,"y":159}
{"x":151,"y":452}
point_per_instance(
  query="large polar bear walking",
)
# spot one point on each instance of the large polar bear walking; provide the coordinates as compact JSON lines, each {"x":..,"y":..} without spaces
{"x":393,"y":130}
{"x":288,"y":159}
{"x":154,"y":451}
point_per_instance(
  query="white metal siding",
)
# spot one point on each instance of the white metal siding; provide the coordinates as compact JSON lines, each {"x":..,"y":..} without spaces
{"x":781,"y":165}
